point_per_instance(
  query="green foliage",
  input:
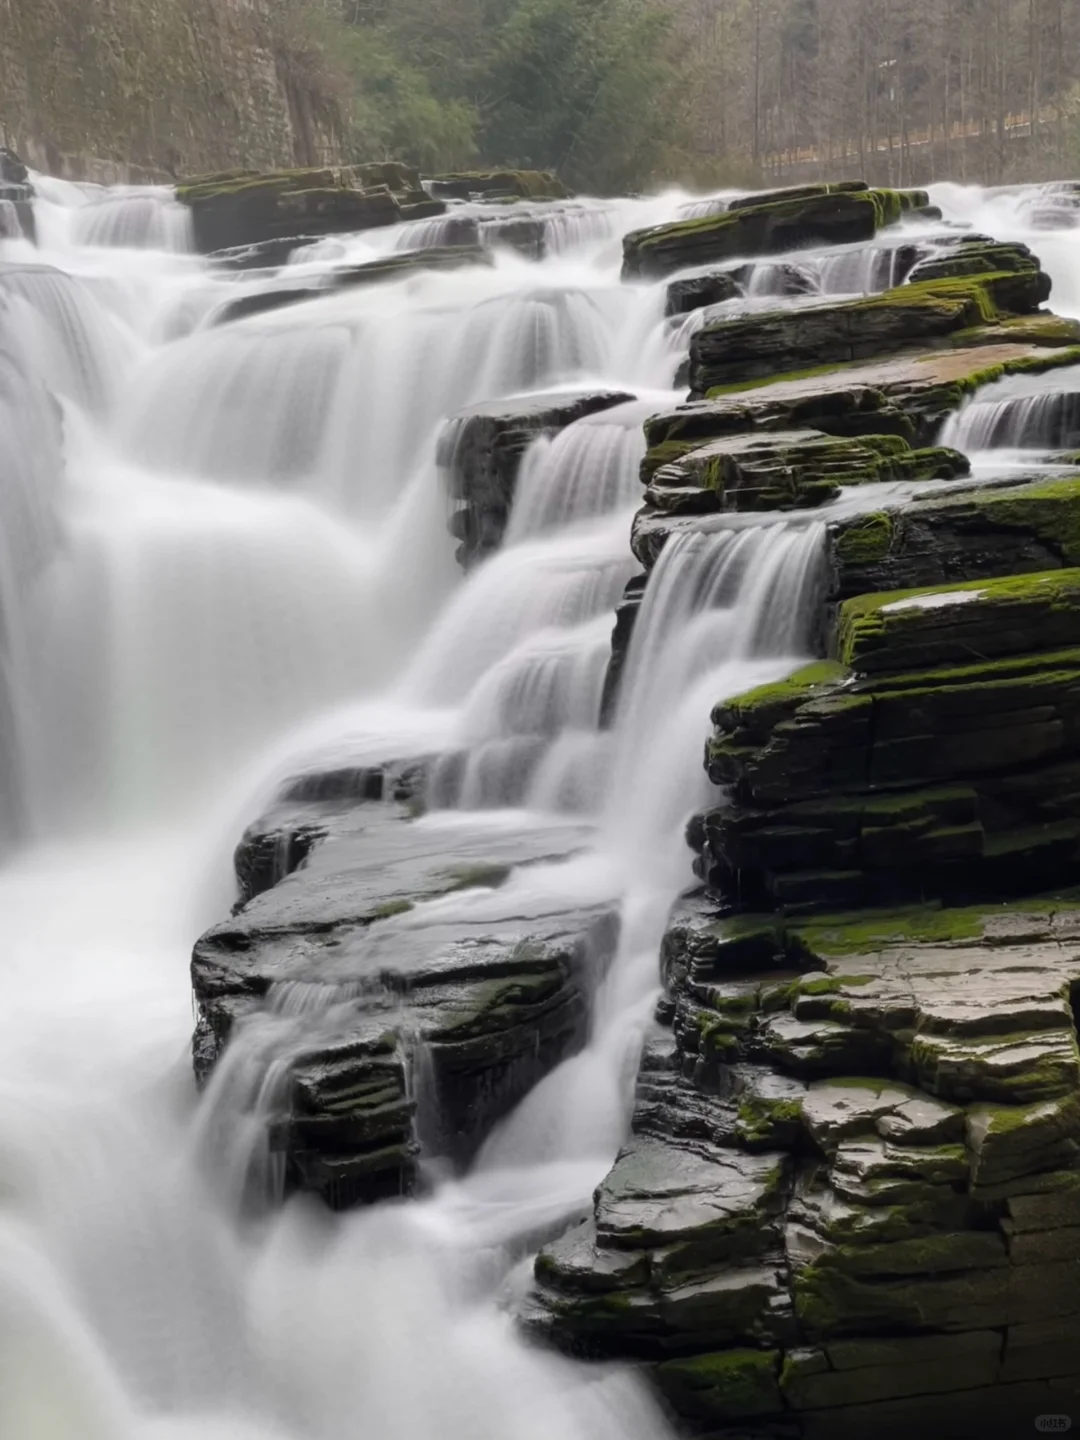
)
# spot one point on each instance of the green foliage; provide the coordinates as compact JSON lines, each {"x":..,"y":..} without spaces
{"x":393,"y":110}
{"x":595,"y":89}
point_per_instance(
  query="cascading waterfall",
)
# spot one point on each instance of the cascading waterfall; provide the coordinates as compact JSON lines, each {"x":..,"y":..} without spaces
{"x":222,"y":548}
{"x":1020,"y":413}
{"x":136,"y":217}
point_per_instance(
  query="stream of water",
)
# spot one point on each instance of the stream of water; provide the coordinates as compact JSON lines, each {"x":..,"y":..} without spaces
{"x":223,"y":549}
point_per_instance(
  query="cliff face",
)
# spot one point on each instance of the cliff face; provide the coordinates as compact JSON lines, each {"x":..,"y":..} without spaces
{"x":113,"y":90}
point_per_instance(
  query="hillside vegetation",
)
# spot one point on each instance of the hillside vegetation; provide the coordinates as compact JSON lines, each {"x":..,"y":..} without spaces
{"x":614,"y":94}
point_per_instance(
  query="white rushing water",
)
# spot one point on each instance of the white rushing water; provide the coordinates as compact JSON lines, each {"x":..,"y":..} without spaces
{"x":222,"y":547}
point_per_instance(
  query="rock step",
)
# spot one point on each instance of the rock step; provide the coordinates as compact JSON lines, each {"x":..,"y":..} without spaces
{"x":772,"y":224}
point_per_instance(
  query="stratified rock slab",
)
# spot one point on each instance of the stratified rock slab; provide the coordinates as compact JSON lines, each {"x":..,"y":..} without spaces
{"x":771,"y":224}
{"x":481,"y":999}
{"x":849,"y":1243}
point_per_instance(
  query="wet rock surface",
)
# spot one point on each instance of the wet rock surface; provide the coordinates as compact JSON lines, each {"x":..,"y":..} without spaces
{"x":850,"y":1202}
{"x":434,"y":996}
{"x":243,"y":208}
{"x":916,"y":315}
{"x":868,"y":1152}
{"x":480,"y":454}
{"x":771,"y":224}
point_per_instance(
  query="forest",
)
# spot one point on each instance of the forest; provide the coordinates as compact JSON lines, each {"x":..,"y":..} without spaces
{"x":621,"y":94}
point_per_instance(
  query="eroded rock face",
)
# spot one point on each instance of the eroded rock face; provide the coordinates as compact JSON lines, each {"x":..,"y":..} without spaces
{"x":981,"y":533}
{"x":480,"y":453}
{"x":333,"y":928}
{"x":789,"y":470}
{"x":850,"y":1203}
{"x":936,"y":760}
{"x":858,"y":1199}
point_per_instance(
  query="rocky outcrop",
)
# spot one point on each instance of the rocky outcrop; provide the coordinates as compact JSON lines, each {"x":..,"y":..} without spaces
{"x":914,"y":316}
{"x":414,"y":1021}
{"x":850,"y":1202}
{"x":244,"y":208}
{"x":935,"y":759}
{"x":772,"y":224}
{"x":16,"y":198}
{"x":977,"y":534}
{"x":480,"y":453}
{"x":788,"y":470}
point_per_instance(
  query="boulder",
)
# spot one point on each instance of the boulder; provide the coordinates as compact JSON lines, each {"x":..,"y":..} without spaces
{"x":247,"y":208}
{"x":766,"y":224}
{"x":480,"y":453}
{"x":12,"y":169}
{"x":338,"y":935}
{"x":972,"y":255}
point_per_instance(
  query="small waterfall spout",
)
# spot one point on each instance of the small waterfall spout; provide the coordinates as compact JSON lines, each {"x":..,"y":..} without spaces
{"x":1020,"y":414}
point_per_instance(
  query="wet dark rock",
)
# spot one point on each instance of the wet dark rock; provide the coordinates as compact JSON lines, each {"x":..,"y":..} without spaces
{"x":245,"y":208}
{"x":263,"y":255}
{"x":789,"y":470}
{"x":937,"y":760}
{"x":625,"y":619}
{"x":872,"y":999}
{"x":916,"y":315}
{"x":527,"y":234}
{"x":481,"y":1008}
{"x":713,"y":288}
{"x":480,"y":453}
{"x":1015,"y":528}
{"x":12,"y":169}
{"x":793,"y":1240}
{"x":771,"y":224}
{"x":967,"y":254}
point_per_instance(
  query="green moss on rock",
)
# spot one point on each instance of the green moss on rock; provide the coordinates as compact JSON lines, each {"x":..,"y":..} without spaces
{"x":723,"y":1386}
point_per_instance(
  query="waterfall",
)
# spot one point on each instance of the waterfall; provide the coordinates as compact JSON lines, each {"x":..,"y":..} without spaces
{"x":1020,"y":413}
{"x":134,"y":217}
{"x":223,"y":550}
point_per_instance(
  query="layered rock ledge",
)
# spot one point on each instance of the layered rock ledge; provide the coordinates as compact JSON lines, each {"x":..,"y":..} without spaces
{"x":351,"y":917}
{"x":850,"y":1201}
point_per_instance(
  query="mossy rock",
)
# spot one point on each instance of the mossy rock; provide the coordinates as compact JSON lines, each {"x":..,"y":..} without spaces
{"x":785,"y":470}
{"x":723,"y":1386}
{"x":238,"y":209}
{"x":765,"y":225}
{"x":989,"y":619}
{"x":920,"y":314}
{"x":979,"y":534}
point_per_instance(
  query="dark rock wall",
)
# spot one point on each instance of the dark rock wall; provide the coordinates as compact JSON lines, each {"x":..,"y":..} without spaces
{"x":128,"y":90}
